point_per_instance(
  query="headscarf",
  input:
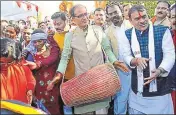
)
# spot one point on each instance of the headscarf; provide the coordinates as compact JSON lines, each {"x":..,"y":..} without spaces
{"x":37,"y":36}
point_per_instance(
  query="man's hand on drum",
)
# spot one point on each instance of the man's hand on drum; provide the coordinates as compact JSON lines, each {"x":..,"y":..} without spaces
{"x":55,"y":80}
{"x":121,"y":65}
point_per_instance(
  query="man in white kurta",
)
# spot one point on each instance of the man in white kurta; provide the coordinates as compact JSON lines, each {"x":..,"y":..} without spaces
{"x":114,"y":33}
{"x":144,"y":44}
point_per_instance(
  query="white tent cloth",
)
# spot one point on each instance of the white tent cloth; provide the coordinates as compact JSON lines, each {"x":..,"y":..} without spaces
{"x":15,"y":10}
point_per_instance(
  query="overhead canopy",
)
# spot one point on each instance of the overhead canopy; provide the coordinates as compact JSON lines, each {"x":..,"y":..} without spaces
{"x":15,"y":10}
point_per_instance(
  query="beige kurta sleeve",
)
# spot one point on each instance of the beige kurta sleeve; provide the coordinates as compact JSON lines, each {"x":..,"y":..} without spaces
{"x":107,"y":48}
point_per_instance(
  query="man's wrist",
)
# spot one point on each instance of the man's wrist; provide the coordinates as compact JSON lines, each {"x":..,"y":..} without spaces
{"x":57,"y":78}
{"x":115,"y":62}
{"x":134,"y":62}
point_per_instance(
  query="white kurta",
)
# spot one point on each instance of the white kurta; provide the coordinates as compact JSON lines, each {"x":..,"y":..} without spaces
{"x":157,"y":104}
{"x":151,"y":105}
{"x":121,"y":98}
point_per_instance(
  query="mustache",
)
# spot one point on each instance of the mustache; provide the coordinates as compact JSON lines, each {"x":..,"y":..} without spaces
{"x":58,"y":29}
{"x":142,"y":24}
{"x":160,"y":12}
{"x":116,"y":17}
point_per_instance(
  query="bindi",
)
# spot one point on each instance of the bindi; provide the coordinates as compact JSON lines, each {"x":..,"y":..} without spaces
{"x":140,"y":16}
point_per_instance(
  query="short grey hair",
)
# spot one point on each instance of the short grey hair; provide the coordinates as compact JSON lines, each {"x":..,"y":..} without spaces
{"x":138,"y":8}
{"x":72,"y":10}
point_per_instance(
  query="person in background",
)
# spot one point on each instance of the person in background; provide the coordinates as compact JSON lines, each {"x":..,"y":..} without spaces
{"x":72,"y":25}
{"x":107,"y":21}
{"x":173,"y":21}
{"x":13,"y":22}
{"x":60,"y":21}
{"x":32,"y":22}
{"x":12,"y":31}
{"x":126,"y":8}
{"x":100,"y":18}
{"x":161,"y":17}
{"x":48,"y":21}
{"x":43,"y":26}
{"x":45,"y":60}
{"x":173,"y":71}
{"x":114,"y":33}
{"x":49,"y":24}
{"x":150,"y":52}
{"x":26,"y":36}
{"x":17,"y":80}
{"x":4,"y":24}
{"x":21,"y":24}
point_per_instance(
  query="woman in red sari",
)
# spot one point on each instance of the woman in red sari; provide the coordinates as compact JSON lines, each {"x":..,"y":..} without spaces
{"x":45,"y":60}
{"x":17,"y":81}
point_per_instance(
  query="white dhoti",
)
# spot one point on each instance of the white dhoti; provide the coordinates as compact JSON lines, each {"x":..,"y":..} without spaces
{"x":150,"y":105}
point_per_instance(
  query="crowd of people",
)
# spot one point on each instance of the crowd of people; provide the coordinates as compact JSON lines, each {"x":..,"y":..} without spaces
{"x":36,"y":56}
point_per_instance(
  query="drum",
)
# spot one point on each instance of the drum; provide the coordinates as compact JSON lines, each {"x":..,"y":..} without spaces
{"x":96,"y":84}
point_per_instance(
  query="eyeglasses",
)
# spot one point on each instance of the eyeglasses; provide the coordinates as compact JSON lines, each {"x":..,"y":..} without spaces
{"x":82,"y":15}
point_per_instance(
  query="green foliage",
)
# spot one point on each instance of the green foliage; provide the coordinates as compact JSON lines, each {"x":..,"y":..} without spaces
{"x":149,"y":5}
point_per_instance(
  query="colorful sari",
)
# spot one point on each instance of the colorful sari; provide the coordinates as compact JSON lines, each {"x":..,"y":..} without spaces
{"x":16,"y":80}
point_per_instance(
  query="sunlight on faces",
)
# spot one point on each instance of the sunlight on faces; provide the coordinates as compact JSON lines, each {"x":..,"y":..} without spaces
{"x":140,"y":20}
{"x":59,"y":24}
{"x":162,"y":10}
{"x":81,"y":17}
{"x":99,"y":17}
{"x":173,"y":18}
{"x":115,"y":14}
